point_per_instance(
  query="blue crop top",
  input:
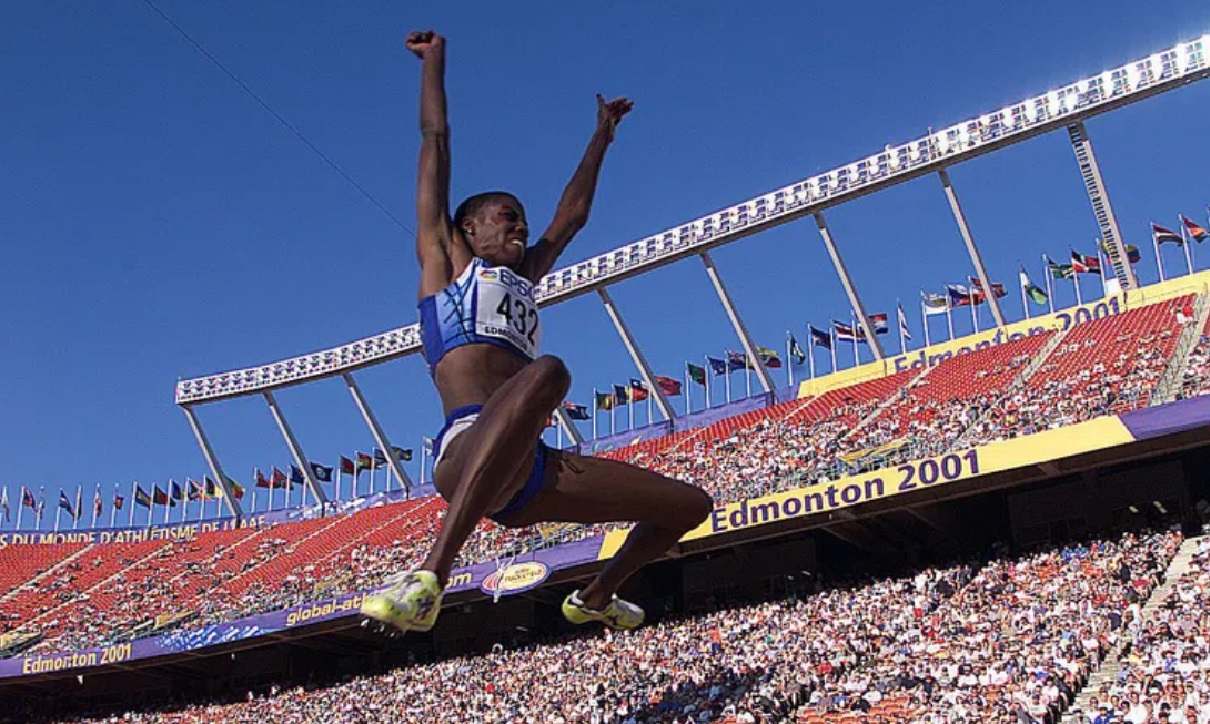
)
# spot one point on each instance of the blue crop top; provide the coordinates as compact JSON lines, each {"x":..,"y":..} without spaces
{"x":484,"y":305}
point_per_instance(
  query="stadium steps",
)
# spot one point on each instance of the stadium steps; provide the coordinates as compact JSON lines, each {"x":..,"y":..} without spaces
{"x":890,"y":401}
{"x":1021,"y":381}
{"x":1111,"y":667}
{"x":1174,"y":374}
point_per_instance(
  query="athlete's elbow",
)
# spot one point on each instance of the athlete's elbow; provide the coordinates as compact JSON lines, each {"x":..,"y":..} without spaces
{"x":554,"y":375}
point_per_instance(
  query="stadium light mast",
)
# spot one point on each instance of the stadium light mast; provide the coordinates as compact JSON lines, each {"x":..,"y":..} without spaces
{"x":380,"y":437}
{"x":636,"y":354}
{"x":220,"y":478}
{"x":850,"y":289}
{"x":741,"y":330}
{"x":569,"y":427}
{"x":976,"y":259}
{"x":295,"y":449}
{"x":1098,"y":196}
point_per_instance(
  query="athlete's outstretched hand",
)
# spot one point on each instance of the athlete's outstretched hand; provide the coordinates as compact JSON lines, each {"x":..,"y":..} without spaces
{"x":420,"y":42}
{"x":610,"y":114}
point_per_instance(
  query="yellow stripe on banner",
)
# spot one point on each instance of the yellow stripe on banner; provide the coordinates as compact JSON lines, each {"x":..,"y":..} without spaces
{"x":996,"y":457}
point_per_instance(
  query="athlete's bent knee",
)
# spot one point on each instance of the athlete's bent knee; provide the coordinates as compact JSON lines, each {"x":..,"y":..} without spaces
{"x":696,"y":508}
{"x":553,"y":379}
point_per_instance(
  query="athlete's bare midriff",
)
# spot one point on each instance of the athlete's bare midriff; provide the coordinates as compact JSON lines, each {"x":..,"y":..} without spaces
{"x":470,"y":375}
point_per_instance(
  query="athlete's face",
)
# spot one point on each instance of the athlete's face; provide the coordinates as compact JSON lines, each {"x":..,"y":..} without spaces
{"x":498,"y":233}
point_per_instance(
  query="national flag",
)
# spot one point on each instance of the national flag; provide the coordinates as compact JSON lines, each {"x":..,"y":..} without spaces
{"x":768,"y":357}
{"x":279,"y":478}
{"x":638,"y":391}
{"x":404,"y":454}
{"x":844,"y":332}
{"x":347,"y":466}
{"x":118,"y":500}
{"x":1033,"y":291}
{"x":717,"y":366}
{"x":261,"y":480}
{"x":427,"y":444}
{"x":161,"y":497}
{"x":65,"y":504}
{"x":1133,"y":255}
{"x":1196,"y":230}
{"x":27,"y":499}
{"x":934,"y":303}
{"x":1163,"y":234}
{"x":210,"y":490}
{"x":237,"y":490}
{"x":322,"y":473}
{"x":97,"y":505}
{"x":177,"y":493}
{"x":976,"y":290}
{"x":576,"y":412}
{"x":819,"y":337}
{"x":606,"y":401}
{"x":195,"y":489}
{"x":1059,"y":271}
{"x":621,"y":395}
{"x":141,"y":497}
{"x":736,"y":361}
{"x":4,"y":502}
{"x":296,"y":475}
{"x":960,"y":296}
{"x":1081,"y":264}
{"x":696,"y":373}
{"x":880,"y":323}
{"x":796,"y":352}
{"x":903,"y":322}
{"x":668,"y":386}
{"x":364,"y":462}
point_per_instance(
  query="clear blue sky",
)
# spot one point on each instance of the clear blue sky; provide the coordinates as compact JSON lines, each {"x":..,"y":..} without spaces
{"x":158,"y":223}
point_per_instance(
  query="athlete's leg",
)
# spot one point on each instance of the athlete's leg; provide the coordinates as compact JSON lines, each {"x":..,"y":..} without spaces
{"x":494,"y":456}
{"x":596,"y":490}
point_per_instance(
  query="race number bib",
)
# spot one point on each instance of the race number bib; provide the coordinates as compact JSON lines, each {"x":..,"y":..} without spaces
{"x":505,"y":309}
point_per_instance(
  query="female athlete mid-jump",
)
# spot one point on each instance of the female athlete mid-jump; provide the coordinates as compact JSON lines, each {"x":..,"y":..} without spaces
{"x":481,"y":333}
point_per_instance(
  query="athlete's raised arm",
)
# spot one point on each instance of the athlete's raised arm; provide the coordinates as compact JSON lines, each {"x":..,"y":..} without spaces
{"x":572,"y":212}
{"x":433,"y":235}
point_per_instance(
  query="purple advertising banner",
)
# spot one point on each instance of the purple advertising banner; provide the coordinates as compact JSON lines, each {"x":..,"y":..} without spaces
{"x":463,"y":579}
{"x":1167,"y":419}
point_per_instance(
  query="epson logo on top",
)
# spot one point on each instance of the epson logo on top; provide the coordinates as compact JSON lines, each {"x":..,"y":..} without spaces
{"x":507,"y":278}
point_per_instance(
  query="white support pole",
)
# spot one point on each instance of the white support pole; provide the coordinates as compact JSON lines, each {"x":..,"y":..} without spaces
{"x":741,"y":330}
{"x":849,"y":288}
{"x":636,"y":355}
{"x":1098,"y":196}
{"x":969,"y":240}
{"x":220,"y":479}
{"x":295,"y":449}
{"x":376,"y":430}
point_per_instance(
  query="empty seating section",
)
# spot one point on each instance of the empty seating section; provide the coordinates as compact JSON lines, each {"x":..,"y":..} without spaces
{"x":20,"y":564}
{"x":89,"y":594}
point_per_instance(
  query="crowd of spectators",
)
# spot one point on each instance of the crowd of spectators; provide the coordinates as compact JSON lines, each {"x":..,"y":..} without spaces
{"x":1010,"y":639}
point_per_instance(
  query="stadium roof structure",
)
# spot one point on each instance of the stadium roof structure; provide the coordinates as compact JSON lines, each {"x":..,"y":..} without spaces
{"x":1066,"y":107}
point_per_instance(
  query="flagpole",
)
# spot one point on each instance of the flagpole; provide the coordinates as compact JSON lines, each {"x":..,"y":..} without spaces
{"x":1159,"y":260}
{"x":254,"y":489}
{"x":853,"y":328}
{"x":1185,"y":243}
{"x":899,"y":323}
{"x":789,"y":362}
{"x":21,"y":507}
{"x":596,"y":409}
{"x":811,"y":351}
{"x":75,"y":524}
{"x":949,"y":313}
{"x":688,"y":392}
{"x":1075,"y":280}
{"x":1101,"y":269}
{"x":1021,"y":283}
{"x":650,"y":393}
{"x":709,"y":373}
{"x":133,"y":486}
{"x":630,"y":406}
{"x":727,"y":378}
{"x":924,"y":319}
{"x":833,"y":343}
{"x":613,"y":422}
